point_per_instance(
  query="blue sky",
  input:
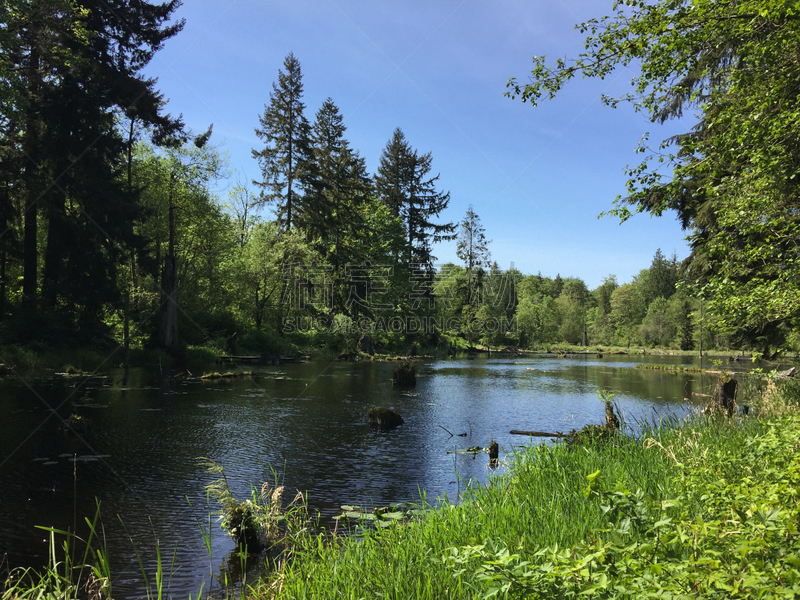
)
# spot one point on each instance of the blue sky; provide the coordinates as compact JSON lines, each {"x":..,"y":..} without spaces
{"x":537,"y":177}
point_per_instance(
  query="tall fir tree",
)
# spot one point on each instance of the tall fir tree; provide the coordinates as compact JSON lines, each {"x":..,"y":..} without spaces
{"x":394,"y":173}
{"x":75,"y":66}
{"x":404,"y":184}
{"x":336,"y":188}
{"x":472,"y":247}
{"x":286,"y":135}
{"x":336,"y":185}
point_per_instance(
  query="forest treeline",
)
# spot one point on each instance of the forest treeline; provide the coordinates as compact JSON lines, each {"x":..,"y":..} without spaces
{"x":113,"y":232}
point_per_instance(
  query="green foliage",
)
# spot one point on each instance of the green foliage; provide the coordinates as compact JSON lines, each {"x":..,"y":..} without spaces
{"x":627,"y":311}
{"x":286,"y":135}
{"x":657,"y":328}
{"x":733,"y":177}
{"x":261,"y":520}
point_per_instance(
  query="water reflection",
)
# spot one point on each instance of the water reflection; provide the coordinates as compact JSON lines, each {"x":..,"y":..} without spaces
{"x":307,"y":421}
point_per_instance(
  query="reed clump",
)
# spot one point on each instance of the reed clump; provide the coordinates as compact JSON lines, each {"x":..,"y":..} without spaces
{"x":261,"y":521}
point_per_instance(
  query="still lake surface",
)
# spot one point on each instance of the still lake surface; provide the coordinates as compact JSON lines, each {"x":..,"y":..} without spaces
{"x":307,"y":421}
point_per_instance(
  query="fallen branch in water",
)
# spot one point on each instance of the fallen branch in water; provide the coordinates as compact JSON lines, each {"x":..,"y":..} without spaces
{"x":538,"y":433}
{"x":447,"y":430}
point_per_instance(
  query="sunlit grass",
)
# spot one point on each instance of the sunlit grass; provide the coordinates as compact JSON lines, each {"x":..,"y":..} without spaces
{"x":562,"y":520}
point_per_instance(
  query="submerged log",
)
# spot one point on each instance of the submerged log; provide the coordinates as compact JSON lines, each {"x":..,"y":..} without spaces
{"x":538,"y":433}
{"x":384,"y":418}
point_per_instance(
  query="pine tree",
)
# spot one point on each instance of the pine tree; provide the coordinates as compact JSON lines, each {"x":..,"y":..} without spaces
{"x":662,"y":278}
{"x":286,"y":132}
{"x":394,"y":173}
{"x":424,"y":203}
{"x":335,"y":186}
{"x":472,"y":247}
{"x":75,"y":66}
{"x":404,"y":185}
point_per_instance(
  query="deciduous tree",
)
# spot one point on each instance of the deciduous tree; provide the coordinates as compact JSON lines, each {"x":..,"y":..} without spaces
{"x":733,"y":177}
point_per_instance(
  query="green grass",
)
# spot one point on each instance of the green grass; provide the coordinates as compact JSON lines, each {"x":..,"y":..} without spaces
{"x":706,"y":507}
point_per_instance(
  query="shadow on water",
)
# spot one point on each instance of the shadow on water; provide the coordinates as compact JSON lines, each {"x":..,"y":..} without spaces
{"x":138,"y":454}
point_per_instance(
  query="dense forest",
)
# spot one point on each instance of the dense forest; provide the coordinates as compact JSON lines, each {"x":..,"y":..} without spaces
{"x":113,"y":233}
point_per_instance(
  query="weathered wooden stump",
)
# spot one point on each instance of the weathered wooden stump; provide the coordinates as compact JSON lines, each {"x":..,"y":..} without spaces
{"x":724,"y":397}
{"x":405,"y":374}
{"x":612,"y":422}
{"x":384,"y":418}
{"x":494,"y":454}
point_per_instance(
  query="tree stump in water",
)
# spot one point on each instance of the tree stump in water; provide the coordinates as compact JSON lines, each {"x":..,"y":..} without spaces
{"x":494,"y":454}
{"x":405,"y":374}
{"x":724,"y":397}
{"x":612,"y":422}
{"x":384,"y":418}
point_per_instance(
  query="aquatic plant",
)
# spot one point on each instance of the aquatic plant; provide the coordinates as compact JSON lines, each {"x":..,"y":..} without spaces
{"x":68,"y":575}
{"x":260,"y":521}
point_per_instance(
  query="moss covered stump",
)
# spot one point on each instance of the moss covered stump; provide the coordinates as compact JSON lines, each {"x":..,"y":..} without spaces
{"x":405,"y":374}
{"x":384,"y":418}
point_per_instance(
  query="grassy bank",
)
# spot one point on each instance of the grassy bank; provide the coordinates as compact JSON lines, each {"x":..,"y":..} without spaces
{"x":23,"y":360}
{"x":706,"y":508}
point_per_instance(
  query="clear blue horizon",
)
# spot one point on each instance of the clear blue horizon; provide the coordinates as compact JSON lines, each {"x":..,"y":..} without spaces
{"x":537,"y":177}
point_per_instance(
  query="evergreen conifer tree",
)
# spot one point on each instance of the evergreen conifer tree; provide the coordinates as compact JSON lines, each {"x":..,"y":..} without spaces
{"x":472,"y":247}
{"x":286,"y":132}
{"x":405,"y":186}
{"x":335,"y":186}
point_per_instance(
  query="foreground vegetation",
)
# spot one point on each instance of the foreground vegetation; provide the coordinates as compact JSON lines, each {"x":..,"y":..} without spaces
{"x":704,"y":506}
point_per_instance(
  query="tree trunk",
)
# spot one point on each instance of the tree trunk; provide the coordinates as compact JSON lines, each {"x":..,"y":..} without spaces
{"x":29,"y":248}
{"x":54,"y":251}
{"x":126,"y":332}
{"x":168,"y":331}
{"x":4,"y":217}
{"x":257,"y":314}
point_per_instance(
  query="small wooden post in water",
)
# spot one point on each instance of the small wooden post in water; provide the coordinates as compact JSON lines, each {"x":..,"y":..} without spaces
{"x":494,"y":454}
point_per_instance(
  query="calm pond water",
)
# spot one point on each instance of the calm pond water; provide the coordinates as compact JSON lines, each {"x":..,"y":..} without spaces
{"x":307,"y":421}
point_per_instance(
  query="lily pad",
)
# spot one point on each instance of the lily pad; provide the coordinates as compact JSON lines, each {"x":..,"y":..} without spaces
{"x":393,"y":515}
